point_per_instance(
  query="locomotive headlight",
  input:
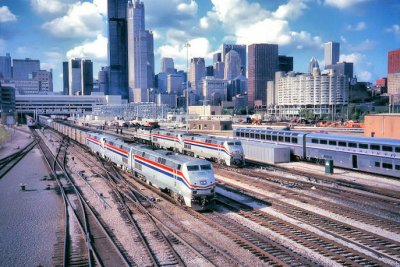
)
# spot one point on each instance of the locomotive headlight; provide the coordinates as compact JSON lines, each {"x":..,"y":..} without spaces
{"x":204,"y":182}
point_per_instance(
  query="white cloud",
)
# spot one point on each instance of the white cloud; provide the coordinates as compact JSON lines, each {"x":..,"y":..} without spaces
{"x":394,"y":29}
{"x":292,"y":10}
{"x":364,"y":76}
{"x":262,"y":26}
{"x":343,"y":39}
{"x":188,"y":8}
{"x":342,"y":4}
{"x":353,"y":57}
{"x":49,"y":6}
{"x":358,"y":27}
{"x":82,"y":20}
{"x":363,"y":46}
{"x":199,"y":47}
{"x":94,"y":50}
{"x":101,"y":6}
{"x":6,"y":15}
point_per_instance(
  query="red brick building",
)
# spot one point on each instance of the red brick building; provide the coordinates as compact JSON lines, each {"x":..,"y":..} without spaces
{"x":393,"y":80}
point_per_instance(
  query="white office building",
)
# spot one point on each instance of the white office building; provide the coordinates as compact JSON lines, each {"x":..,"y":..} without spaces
{"x":214,"y":90}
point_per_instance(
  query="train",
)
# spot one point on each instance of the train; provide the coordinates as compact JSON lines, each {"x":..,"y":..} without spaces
{"x":219,"y":149}
{"x":189,"y":180}
{"x":372,"y":155}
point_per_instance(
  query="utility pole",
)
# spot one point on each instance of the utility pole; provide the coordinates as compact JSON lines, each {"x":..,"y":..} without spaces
{"x":187,"y":45}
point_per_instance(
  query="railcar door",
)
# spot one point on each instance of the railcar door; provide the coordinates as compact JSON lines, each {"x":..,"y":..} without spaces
{"x":354,"y":161}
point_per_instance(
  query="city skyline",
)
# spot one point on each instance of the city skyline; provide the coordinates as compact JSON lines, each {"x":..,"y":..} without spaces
{"x":366,"y":30}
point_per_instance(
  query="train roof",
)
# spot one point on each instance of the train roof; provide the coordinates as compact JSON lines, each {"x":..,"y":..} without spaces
{"x":270,"y":131}
{"x":352,"y":138}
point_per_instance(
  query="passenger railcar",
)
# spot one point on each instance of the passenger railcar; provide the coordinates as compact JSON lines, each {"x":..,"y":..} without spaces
{"x":375,"y":155}
{"x":294,"y":140}
{"x":372,"y":155}
{"x":30,"y":121}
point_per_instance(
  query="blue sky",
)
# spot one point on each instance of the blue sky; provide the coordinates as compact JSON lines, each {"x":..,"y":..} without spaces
{"x":55,"y":30}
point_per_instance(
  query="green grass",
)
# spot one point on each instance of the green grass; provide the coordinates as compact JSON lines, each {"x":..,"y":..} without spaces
{"x":3,"y":134}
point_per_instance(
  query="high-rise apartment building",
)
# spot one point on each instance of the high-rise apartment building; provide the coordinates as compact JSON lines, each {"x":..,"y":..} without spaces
{"x":80,"y":76}
{"x":241,"y":49}
{"x":167,"y":65}
{"x":322,"y":93}
{"x":117,"y":48}
{"x":233,"y":65}
{"x":45,"y":79}
{"x":197,"y":72}
{"x":285,"y":63}
{"x":23,"y":69}
{"x":393,"y":79}
{"x":331,"y":53}
{"x":5,"y":67}
{"x":140,"y":53}
{"x":263,"y":63}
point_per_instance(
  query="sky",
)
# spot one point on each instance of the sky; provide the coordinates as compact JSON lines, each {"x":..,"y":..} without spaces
{"x":56,"y":30}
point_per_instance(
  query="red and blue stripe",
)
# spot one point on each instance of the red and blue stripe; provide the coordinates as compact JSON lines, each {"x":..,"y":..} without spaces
{"x":170,"y":172}
{"x":117,"y":150}
{"x":207,"y":145}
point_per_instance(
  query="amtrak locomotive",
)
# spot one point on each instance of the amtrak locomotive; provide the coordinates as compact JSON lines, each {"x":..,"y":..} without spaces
{"x":373,"y":155}
{"x":222,"y":150}
{"x":190,"y":181}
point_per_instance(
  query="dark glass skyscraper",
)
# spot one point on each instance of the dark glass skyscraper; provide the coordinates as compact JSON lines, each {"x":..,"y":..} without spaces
{"x":263,"y":63}
{"x":118,"y":48}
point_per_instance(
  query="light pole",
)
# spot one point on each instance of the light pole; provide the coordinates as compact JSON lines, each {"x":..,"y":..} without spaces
{"x":187,"y":45}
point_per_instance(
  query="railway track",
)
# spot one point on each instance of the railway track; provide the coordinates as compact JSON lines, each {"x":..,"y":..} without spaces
{"x":7,"y":163}
{"x":87,"y":241}
{"x":377,"y":245}
{"x":336,"y":252}
{"x":259,"y":180}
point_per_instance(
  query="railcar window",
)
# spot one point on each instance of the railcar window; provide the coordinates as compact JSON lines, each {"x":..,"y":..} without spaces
{"x":237,"y":134}
{"x":274,"y":138}
{"x":241,"y":134}
{"x":314,"y":141}
{"x":387,"y":148}
{"x":247,"y":135}
{"x":231,"y":143}
{"x":262,"y":136}
{"x":280,"y":138}
{"x":238,"y":143}
{"x":387,"y":166}
{"x":375,"y":147}
{"x":268,"y":137}
{"x":257,"y":136}
{"x":352,"y":145}
{"x":377,"y":164}
{"x":205,"y":167}
{"x":252,"y":135}
{"x":179,"y":167}
{"x":323,"y":142}
{"x":287,"y":139}
{"x":397,"y":167}
{"x":342,"y":144}
{"x":397,"y":149}
{"x":193,"y":168}
{"x":332,"y":143}
{"x":294,"y":140}
{"x":363,"y":146}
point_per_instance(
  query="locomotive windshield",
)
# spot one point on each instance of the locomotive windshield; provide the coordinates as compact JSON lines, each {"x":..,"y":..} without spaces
{"x":193,"y":168}
{"x":205,"y":167}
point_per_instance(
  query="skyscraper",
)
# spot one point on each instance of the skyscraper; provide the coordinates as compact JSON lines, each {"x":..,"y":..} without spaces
{"x":285,"y":63}
{"x":232,"y":65}
{"x":117,"y":48}
{"x":263,"y":63}
{"x":167,"y":65}
{"x":80,"y":76}
{"x":393,"y":78}
{"x":140,"y":53}
{"x":332,"y":53}
{"x":65,"y":78}
{"x":103,"y":79}
{"x":23,"y":69}
{"x":5,"y":67}
{"x":313,"y":64}
{"x":197,"y":72}
{"x":241,"y":49}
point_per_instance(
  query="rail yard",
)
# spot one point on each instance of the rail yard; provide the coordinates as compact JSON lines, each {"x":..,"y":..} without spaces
{"x":150,"y":203}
